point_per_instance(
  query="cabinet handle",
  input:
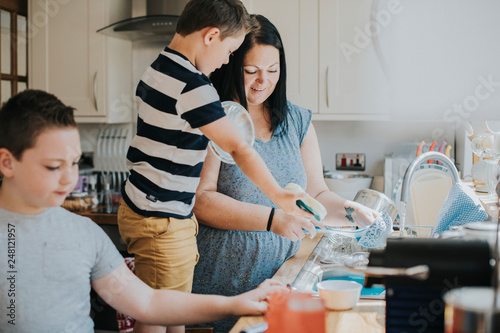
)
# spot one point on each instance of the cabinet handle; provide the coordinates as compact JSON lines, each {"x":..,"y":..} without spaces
{"x":328,"y":86}
{"x":95,"y":92}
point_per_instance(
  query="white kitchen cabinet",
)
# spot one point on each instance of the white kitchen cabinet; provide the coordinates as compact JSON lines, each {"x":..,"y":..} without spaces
{"x":86,"y":70}
{"x":320,"y":76}
{"x":296,"y":21}
{"x":409,"y":60}
{"x":353,"y":83}
{"x":390,"y":59}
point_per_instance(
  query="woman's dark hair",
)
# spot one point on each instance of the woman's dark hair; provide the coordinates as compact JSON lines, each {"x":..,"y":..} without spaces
{"x":24,"y":116}
{"x":229,"y":80}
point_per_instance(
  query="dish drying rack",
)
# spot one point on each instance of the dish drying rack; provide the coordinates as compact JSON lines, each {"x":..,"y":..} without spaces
{"x":110,"y":159}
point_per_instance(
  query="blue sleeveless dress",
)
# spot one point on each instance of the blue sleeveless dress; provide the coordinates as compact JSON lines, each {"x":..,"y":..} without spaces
{"x":232,"y":262}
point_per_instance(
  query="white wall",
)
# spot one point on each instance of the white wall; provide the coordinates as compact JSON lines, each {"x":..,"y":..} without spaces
{"x":375,"y":139}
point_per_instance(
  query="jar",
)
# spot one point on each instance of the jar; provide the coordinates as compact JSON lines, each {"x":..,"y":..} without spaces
{"x":481,"y":230}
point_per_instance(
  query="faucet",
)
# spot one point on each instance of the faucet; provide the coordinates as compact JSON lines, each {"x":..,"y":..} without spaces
{"x":405,"y":186}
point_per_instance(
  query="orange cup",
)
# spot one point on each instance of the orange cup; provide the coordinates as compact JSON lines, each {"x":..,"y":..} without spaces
{"x":295,"y":313}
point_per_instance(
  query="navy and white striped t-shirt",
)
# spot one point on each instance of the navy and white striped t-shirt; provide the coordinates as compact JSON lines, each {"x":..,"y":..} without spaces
{"x":166,"y":155}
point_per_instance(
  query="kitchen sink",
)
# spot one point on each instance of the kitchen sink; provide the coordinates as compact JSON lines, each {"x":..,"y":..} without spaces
{"x":320,"y":266}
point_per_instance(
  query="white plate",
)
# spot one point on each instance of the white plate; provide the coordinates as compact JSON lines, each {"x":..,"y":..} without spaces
{"x":243,"y":122}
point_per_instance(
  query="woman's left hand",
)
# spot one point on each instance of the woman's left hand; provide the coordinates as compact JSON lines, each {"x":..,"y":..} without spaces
{"x":358,"y":214}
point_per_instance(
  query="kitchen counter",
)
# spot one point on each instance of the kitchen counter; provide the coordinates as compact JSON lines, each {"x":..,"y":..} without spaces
{"x":100,"y":218}
{"x":368,"y":316}
{"x":489,"y":202}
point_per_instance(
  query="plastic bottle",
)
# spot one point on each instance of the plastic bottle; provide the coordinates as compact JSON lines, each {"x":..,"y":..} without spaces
{"x":106,"y":199}
{"x":93,"y":195}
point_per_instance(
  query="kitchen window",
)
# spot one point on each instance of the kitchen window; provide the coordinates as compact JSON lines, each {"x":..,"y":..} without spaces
{"x":13,"y":48}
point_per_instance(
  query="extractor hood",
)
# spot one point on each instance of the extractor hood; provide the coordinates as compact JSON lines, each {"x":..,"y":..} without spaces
{"x":143,"y":27}
{"x":159,"y":23}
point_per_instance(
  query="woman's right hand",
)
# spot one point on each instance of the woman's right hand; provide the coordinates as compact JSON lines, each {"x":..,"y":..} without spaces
{"x":287,"y":201}
{"x":291,"y":226}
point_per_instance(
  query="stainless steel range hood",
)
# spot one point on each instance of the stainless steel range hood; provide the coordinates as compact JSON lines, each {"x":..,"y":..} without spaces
{"x":159,"y":23}
{"x":144,"y":27}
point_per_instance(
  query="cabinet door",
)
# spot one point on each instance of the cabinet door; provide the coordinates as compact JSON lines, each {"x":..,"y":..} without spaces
{"x":66,"y":58}
{"x":352,"y":81}
{"x":444,"y":60}
{"x":296,"y":21}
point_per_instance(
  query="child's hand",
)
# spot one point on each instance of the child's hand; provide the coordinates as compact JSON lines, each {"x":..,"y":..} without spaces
{"x":270,"y":285}
{"x":358,"y":214}
{"x":287,"y":201}
{"x":253,"y":301}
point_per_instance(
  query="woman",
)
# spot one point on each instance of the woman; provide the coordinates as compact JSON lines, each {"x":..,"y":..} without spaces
{"x":236,"y":249}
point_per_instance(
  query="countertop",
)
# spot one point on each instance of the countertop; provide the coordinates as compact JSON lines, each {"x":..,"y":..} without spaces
{"x":100,"y":218}
{"x":489,"y":202}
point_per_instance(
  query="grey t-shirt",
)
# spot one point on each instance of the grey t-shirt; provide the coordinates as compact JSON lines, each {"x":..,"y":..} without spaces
{"x":47,"y":261}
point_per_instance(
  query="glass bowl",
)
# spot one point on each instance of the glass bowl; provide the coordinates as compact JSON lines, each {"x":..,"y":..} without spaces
{"x":240,"y":117}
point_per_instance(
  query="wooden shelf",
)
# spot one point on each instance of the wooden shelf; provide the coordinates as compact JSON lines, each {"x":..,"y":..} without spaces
{"x":100,"y":218}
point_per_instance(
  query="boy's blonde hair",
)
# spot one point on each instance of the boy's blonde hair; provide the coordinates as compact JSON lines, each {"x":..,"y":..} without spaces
{"x":24,"y":116}
{"x":230,"y":16}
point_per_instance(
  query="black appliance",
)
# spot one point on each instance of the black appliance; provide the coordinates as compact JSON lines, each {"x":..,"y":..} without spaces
{"x":416,"y":305}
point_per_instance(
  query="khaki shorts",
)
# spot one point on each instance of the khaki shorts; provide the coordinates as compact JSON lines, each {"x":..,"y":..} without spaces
{"x":165,"y":249}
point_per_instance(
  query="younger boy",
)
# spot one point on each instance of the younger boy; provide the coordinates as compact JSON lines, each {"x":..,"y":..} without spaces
{"x":50,"y":257}
{"x":179,"y":111}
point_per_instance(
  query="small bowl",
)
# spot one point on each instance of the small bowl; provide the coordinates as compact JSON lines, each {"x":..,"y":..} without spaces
{"x":339,"y":294}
